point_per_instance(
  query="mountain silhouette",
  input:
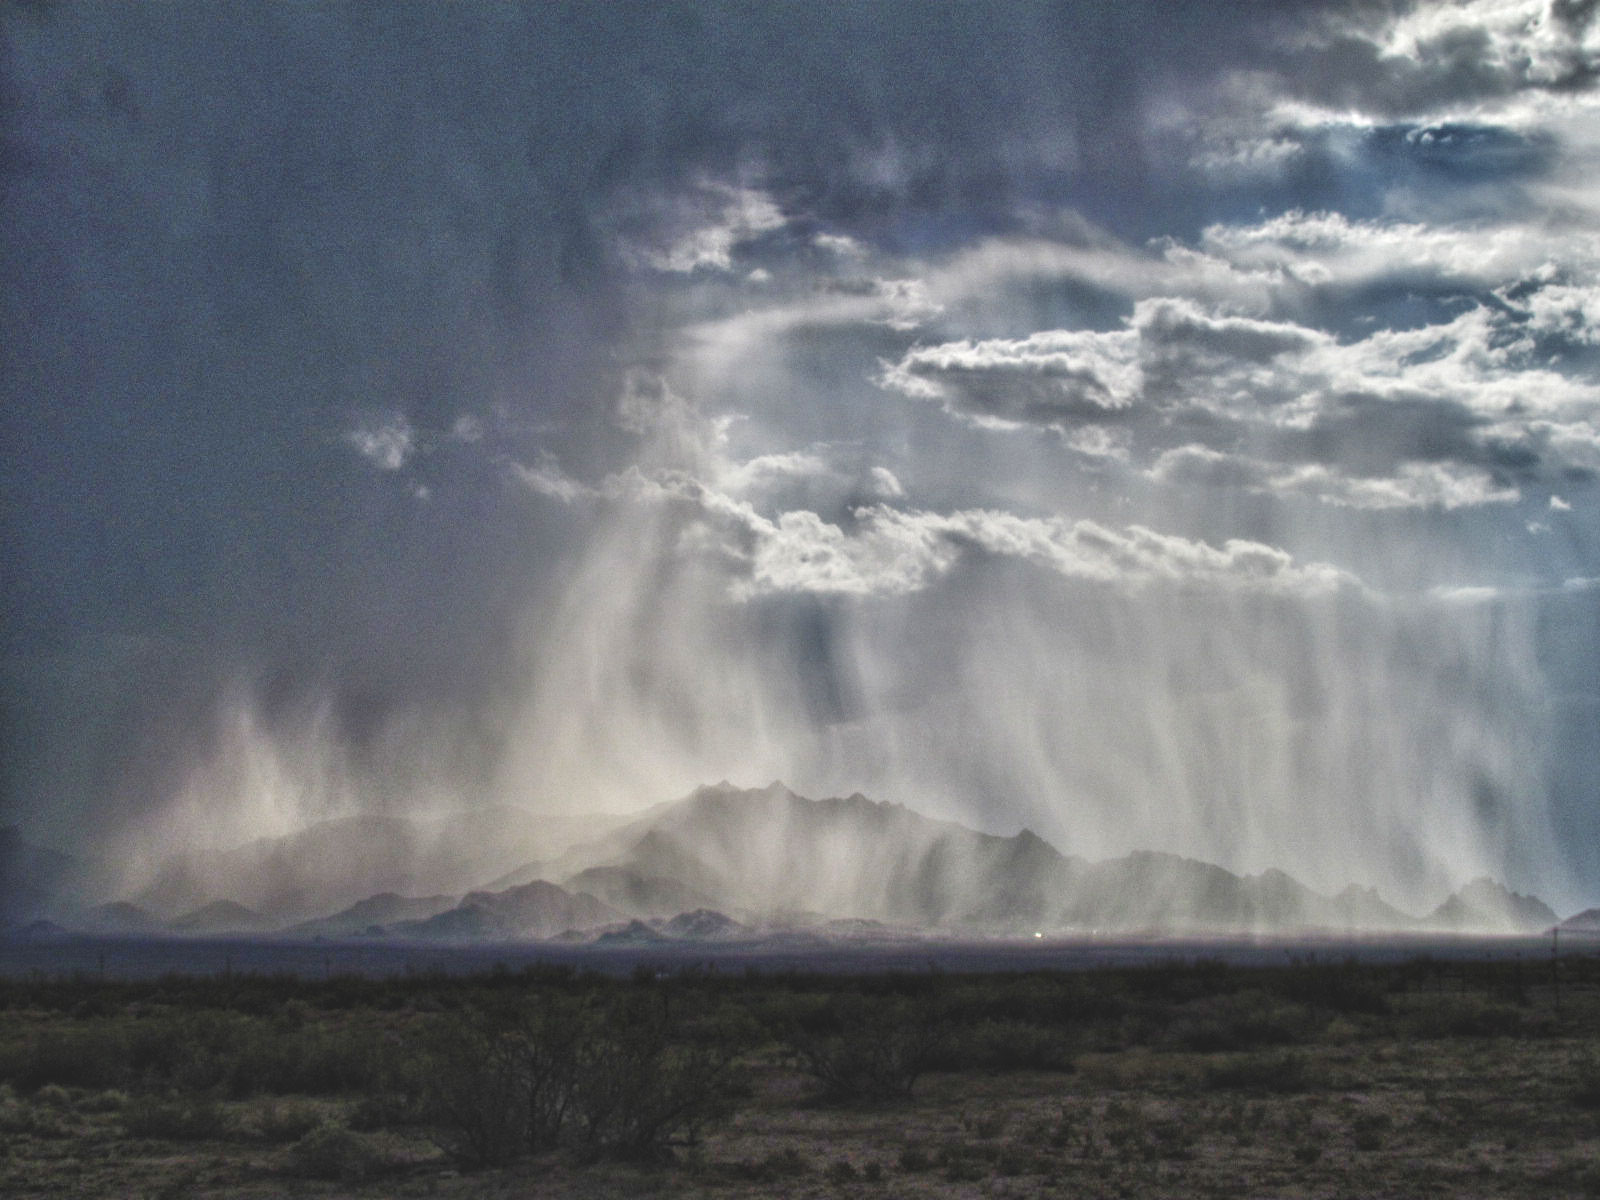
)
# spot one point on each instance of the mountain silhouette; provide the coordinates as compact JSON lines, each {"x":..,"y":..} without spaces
{"x":766,"y":862}
{"x":763,"y":853}
{"x":1484,"y":906}
{"x":532,"y":911}
{"x":335,"y":864}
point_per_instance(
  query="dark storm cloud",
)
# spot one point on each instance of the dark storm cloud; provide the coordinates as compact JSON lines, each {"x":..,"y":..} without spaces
{"x":1370,"y":434}
{"x":1431,"y":58}
{"x":262,"y":262}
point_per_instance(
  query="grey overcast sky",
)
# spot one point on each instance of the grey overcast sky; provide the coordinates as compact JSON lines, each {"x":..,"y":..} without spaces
{"x":1158,"y":424}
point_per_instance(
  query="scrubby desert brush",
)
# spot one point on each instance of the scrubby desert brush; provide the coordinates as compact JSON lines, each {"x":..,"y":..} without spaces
{"x":333,"y":1152}
{"x":480,"y":1093}
{"x":622,"y":1074}
{"x":634,"y":1068}
{"x":32,"y":1119}
{"x":1242,"y":1021}
{"x":1283,"y":1071}
{"x":645,"y":1077}
{"x":861,"y":1048}
{"x":772,"y":1167}
{"x":282,"y":1121}
{"x":913,"y":1159}
{"x":177,"y":1118}
{"x":1003,"y":1045}
{"x":1587,"y":1093}
{"x":1369,"y":1130}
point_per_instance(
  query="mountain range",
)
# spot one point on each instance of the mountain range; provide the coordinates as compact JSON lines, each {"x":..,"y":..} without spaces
{"x":35,"y":880}
{"x":726,"y":863}
{"x":335,"y":864}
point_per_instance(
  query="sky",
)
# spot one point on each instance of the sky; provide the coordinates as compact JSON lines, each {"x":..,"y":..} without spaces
{"x":1161,"y":425}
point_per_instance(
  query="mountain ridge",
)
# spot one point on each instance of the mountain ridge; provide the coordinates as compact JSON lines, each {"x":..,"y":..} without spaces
{"x":754,"y":853}
{"x":329,"y":866}
{"x":757,"y":858}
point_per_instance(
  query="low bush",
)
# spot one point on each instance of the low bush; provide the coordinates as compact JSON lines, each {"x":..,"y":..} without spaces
{"x":280,"y":1121}
{"x":32,"y":1120}
{"x":960,"y":1166}
{"x":54,"y":1095}
{"x":1587,"y":1093}
{"x":335,"y":1153}
{"x":1472,"y":1017}
{"x":196,"y":1050}
{"x":914,"y":1159}
{"x":309,"y":1060}
{"x":385,"y":1109}
{"x":179,"y":1119}
{"x":480,"y":1091}
{"x":1014,"y":1160}
{"x":646,"y":1076}
{"x":842,"y":1171}
{"x":780,"y":1165}
{"x":1369,"y":1129}
{"x":91,"y":1054}
{"x":1240,"y":1021}
{"x":1172,"y":1139}
{"x":860,"y":1049}
{"x":107,"y":1101}
{"x":1282,"y":1073}
{"x":622,"y":1077}
{"x":1003,"y":1045}
{"x":1347,"y":987}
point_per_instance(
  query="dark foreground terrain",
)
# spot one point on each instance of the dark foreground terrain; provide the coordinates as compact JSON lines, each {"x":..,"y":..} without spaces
{"x":1315,"y":1077}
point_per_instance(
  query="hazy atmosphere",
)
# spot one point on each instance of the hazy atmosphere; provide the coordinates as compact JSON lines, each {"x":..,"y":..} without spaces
{"x":1160,"y":426}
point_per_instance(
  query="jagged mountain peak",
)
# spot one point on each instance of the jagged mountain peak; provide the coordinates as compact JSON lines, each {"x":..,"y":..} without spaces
{"x":1587,"y":921}
{"x":1486,"y":905}
{"x":539,"y":909}
{"x":222,"y":917}
{"x":1484,"y":890}
{"x":326,"y":867}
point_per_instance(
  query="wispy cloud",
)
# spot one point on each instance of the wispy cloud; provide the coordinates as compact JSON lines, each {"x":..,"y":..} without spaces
{"x":702,"y":228}
{"x":388,"y":445}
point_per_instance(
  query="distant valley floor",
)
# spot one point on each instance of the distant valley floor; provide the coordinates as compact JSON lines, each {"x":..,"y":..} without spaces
{"x":145,"y":958}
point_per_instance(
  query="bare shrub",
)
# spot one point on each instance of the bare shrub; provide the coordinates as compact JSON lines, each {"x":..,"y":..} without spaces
{"x":867,"y":1050}
{"x":644,"y":1077}
{"x":477,"y":1093}
{"x":624,"y":1076}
